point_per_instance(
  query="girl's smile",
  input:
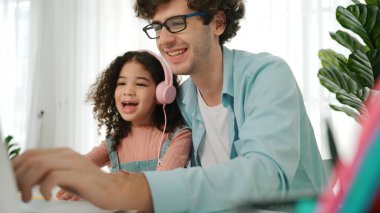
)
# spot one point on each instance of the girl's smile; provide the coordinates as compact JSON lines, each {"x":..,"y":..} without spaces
{"x":129,"y":106}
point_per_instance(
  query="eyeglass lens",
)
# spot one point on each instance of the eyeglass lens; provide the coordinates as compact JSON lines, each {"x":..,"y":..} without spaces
{"x":173,"y":25}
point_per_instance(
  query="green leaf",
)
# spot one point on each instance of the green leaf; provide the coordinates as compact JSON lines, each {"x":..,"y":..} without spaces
{"x":359,"y":63}
{"x":8,"y":139}
{"x":332,"y":60}
{"x":13,"y":156}
{"x":11,"y":145}
{"x":14,"y":153}
{"x":362,"y":20}
{"x":351,"y":79}
{"x":363,"y":94}
{"x":350,"y":100}
{"x":13,"y":149}
{"x":348,"y":41}
{"x":349,"y":111}
{"x":374,"y":58}
{"x":335,"y":75}
{"x":335,"y":80}
{"x":326,"y":81}
{"x":373,"y":2}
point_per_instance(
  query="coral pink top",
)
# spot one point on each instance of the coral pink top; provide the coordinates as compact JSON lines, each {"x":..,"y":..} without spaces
{"x":143,"y":143}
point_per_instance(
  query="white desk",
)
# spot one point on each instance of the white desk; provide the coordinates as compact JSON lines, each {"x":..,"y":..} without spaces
{"x":39,"y":205}
{"x":55,"y":206}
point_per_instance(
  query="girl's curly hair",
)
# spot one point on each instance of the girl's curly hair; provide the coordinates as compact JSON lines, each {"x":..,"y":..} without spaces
{"x":233,"y":9}
{"x":101,"y":96}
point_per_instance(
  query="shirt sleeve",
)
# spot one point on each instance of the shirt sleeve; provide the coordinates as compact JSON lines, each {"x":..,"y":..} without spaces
{"x":99,"y":155}
{"x":178,"y":151}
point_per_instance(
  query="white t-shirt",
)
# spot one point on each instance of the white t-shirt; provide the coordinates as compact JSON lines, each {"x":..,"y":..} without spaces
{"x":214,"y":147}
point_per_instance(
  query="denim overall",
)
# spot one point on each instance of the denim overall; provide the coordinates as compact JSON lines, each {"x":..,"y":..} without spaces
{"x":137,"y":166}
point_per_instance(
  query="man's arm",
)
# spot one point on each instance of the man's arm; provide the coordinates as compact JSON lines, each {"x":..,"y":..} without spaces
{"x":76,"y":174}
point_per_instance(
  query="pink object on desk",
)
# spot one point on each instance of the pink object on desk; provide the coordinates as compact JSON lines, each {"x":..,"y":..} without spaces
{"x":346,"y":175}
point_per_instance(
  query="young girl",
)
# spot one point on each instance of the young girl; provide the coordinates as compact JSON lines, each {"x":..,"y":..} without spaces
{"x":125,"y":102}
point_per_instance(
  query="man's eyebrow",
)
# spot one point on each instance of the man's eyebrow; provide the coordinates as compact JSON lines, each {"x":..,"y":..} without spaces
{"x":155,"y":22}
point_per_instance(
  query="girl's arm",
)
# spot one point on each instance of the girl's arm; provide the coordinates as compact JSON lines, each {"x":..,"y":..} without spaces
{"x":178,"y":151}
{"x":99,"y":155}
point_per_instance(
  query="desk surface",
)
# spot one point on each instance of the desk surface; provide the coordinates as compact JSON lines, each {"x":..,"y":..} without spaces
{"x":39,"y":205}
{"x":56,"y":206}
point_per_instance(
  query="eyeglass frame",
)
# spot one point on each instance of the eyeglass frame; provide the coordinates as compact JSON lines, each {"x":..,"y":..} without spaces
{"x":184,"y":17}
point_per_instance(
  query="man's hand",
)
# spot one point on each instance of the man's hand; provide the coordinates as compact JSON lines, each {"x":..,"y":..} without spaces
{"x":78,"y":175}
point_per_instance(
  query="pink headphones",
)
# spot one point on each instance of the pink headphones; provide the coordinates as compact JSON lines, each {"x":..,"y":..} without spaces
{"x":165,"y":91}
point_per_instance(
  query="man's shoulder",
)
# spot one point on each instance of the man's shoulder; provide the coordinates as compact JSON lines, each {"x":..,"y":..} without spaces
{"x":245,"y":57}
{"x":248,"y":63}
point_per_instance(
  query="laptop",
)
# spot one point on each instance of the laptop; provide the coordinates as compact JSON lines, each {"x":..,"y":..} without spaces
{"x":10,"y":200}
{"x":8,"y":197}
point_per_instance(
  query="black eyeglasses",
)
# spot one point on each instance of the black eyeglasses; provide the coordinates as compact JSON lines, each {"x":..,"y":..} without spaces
{"x":173,"y":24}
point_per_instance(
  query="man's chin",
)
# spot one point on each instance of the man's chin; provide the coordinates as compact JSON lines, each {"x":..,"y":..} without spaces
{"x":180,"y":69}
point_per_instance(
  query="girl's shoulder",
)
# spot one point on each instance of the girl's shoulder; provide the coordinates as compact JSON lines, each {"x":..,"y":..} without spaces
{"x":179,"y":131}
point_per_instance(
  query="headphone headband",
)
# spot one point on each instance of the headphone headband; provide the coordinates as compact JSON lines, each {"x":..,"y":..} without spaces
{"x":167,"y":71}
{"x":165,"y":91}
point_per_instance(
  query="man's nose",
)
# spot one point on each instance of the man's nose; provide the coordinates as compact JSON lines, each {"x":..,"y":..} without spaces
{"x":166,"y":37}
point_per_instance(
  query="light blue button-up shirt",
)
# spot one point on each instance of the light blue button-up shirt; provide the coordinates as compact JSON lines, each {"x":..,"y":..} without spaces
{"x":273,"y":147}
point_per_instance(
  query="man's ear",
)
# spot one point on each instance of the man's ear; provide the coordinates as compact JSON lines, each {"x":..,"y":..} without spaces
{"x":220,"y":22}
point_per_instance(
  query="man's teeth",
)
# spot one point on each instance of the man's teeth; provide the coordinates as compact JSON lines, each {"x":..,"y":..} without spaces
{"x":174,"y":53}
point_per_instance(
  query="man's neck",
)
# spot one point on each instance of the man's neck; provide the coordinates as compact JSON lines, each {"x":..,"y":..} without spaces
{"x":209,"y":80}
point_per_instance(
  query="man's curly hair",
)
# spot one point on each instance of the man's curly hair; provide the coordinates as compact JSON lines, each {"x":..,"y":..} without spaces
{"x":101,"y":96}
{"x":233,"y":9}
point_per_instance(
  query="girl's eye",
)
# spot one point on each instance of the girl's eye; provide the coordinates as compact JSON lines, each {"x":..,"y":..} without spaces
{"x":141,"y":85}
{"x":120,"y":83}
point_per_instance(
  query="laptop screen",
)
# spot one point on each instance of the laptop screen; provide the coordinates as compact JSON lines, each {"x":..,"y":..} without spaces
{"x":1,"y":132}
{"x":11,"y":203}
{"x":8,"y":196}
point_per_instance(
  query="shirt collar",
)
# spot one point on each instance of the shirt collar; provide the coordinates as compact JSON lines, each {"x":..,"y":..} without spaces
{"x":228,"y":83}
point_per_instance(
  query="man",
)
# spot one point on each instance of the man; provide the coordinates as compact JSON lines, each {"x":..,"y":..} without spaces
{"x":251,"y":135}
{"x":240,"y":106}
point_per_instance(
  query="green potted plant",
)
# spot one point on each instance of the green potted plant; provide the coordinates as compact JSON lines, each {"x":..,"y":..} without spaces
{"x":13,"y":148}
{"x":352,"y":78}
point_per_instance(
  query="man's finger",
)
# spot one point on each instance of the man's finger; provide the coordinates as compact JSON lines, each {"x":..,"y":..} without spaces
{"x":17,"y":161}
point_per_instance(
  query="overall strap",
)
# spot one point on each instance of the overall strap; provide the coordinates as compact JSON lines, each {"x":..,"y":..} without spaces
{"x":112,"y":153}
{"x":166,"y":144}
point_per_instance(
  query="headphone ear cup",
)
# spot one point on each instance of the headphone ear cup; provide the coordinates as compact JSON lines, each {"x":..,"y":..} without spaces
{"x":165,"y":94}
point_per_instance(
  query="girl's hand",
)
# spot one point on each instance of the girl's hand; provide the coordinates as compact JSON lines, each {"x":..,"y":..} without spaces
{"x":64,"y":195}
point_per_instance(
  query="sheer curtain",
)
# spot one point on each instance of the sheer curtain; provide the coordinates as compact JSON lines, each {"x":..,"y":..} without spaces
{"x":52,"y":50}
{"x":14,"y":74}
